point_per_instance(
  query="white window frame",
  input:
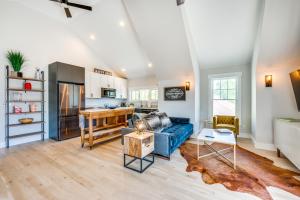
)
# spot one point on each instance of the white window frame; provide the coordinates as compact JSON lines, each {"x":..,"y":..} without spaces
{"x":142,"y":88}
{"x":238,"y":77}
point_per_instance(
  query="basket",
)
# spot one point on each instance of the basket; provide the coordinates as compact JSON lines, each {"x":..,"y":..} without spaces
{"x":26,"y":120}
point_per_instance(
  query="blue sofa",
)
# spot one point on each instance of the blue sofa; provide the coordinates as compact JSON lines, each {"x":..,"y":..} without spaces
{"x":169,"y":139}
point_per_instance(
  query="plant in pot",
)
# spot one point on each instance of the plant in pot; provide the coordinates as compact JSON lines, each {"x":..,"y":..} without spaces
{"x":16,"y":60}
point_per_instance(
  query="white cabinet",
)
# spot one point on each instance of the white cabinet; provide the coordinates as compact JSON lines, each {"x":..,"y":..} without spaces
{"x":110,"y":82}
{"x":94,"y":82}
{"x":286,"y":138}
{"x":102,"y":80}
{"x":87,"y":84}
{"x":92,"y":85}
{"x":121,"y":88}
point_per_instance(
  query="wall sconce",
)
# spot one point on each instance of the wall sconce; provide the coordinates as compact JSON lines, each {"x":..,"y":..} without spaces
{"x":268,"y":80}
{"x":187,"y":86}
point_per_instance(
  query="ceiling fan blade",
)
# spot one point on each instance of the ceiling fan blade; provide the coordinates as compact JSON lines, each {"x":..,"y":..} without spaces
{"x":79,"y":6}
{"x":56,"y":1}
{"x":68,"y":13}
{"x":180,"y":2}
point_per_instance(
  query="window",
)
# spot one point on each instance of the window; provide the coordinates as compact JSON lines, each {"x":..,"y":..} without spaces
{"x":144,"y":94}
{"x":225,"y":95}
{"x":154,"y":95}
{"x":135,"y":95}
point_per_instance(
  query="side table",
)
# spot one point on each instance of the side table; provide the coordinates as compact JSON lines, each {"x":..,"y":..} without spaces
{"x":139,"y":148}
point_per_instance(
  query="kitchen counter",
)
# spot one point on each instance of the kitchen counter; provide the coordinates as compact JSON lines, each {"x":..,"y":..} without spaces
{"x":104,"y":110}
{"x":145,"y":110}
{"x":103,"y":124}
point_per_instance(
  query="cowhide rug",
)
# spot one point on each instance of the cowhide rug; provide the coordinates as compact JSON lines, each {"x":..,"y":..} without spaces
{"x":253,"y":174}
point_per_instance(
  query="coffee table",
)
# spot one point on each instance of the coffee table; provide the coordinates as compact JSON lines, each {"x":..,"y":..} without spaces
{"x":209,"y":136}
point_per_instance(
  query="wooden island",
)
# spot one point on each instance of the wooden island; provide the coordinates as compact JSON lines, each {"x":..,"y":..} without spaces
{"x":100,"y":125}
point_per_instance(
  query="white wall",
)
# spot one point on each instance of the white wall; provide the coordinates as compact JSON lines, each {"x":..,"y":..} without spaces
{"x":277,"y":53}
{"x":144,"y":82}
{"x":177,"y":108}
{"x":275,"y":102}
{"x":246,"y":94}
{"x":43,"y":41}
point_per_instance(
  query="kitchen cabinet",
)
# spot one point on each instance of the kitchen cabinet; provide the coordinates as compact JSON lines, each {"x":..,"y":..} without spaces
{"x":87,"y":84}
{"x":121,"y":88}
{"x":92,"y":85}
{"x":110,"y":81}
{"x":94,"y":82}
{"x":95,"y":85}
{"x":102,"y":81}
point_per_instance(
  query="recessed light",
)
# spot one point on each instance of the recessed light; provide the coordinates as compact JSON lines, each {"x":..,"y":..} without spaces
{"x":122,"y":23}
{"x":150,"y":65}
{"x":92,"y":37}
{"x":123,"y":70}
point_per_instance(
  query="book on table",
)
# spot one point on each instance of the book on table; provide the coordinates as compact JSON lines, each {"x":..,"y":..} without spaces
{"x":224,"y":131}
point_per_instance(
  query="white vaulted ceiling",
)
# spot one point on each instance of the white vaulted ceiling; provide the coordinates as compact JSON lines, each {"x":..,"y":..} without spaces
{"x":116,"y":45}
{"x":160,"y":30}
{"x":55,"y":10}
{"x":223,"y":31}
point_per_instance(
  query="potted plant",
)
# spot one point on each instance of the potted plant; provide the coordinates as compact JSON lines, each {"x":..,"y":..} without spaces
{"x":16,"y":60}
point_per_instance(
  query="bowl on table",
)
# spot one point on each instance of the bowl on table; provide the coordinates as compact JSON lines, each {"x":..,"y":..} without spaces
{"x":26,"y":120}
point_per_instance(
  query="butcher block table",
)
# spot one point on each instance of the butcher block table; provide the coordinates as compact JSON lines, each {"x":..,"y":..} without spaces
{"x":102,"y":124}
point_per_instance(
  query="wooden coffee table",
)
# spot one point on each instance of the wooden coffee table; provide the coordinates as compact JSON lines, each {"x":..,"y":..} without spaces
{"x":209,"y":136}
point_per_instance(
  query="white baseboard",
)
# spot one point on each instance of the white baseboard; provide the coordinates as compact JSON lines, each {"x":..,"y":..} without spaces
{"x":2,"y":145}
{"x":244,"y":135}
{"x":264,"y":146}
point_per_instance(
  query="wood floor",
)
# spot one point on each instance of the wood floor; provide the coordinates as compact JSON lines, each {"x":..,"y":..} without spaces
{"x":64,"y":171}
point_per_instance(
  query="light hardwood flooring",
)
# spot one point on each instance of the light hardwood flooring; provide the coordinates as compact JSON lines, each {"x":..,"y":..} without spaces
{"x":65,"y":171}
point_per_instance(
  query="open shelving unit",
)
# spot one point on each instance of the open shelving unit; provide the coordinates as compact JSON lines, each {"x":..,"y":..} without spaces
{"x":8,"y":135}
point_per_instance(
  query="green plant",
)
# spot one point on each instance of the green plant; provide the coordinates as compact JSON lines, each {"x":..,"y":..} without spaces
{"x":16,"y":59}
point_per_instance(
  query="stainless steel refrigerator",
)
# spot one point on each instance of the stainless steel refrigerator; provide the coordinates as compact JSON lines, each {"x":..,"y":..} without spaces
{"x":71,"y":100}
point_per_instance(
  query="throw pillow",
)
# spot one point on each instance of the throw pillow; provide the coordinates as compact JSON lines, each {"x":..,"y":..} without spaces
{"x":152,"y":122}
{"x":165,"y":120}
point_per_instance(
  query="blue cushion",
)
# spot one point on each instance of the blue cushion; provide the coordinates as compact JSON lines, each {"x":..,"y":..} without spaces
{"x":178,"y":134}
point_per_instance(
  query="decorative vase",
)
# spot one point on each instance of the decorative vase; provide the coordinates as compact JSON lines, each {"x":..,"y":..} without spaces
{"x":14,"y":74}
{"x":37,"y":74}
{"x":27,"y":86}
{"x":19,"y":74}
{"x":32,"y":107}
{"x":17,"y":109}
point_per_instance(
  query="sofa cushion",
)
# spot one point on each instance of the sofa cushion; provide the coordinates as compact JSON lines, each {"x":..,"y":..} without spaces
{"x":228,"y":126}
{"x":165,"y":120}
{"x":178,"y":133}
{"x":152,"y":122}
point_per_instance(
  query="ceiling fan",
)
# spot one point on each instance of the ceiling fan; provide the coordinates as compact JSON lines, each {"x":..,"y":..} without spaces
{"x":66,"y":3}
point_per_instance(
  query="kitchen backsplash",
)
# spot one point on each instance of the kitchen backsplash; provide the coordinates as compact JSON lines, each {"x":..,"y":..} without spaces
{"x":102,"y":102}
